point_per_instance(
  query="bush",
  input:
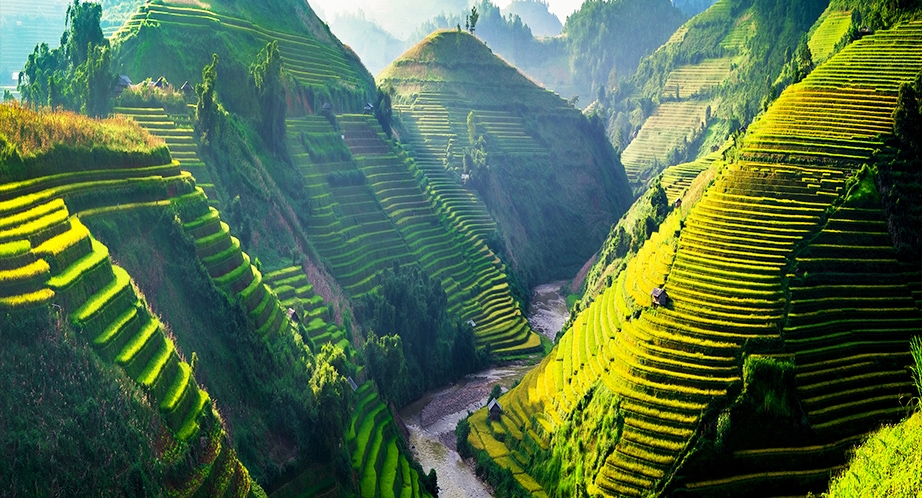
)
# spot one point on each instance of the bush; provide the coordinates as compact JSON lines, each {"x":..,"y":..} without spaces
{"x":352,"y":177}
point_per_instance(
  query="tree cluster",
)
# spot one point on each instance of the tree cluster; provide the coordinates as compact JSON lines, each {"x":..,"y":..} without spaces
{"x":907,"y":117}
{"x":77,"y":75}
{"x":270,"y":91}
{"x":413,"y":343}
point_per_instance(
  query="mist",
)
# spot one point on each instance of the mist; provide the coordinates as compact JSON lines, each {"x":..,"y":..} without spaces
{"x":402,"y":17}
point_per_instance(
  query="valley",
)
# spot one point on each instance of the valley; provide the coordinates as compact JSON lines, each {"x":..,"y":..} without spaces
{"x":660,"y":249}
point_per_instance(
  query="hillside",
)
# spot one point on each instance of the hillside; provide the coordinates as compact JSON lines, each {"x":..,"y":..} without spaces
{"x":785,"y":334}
{"x":176,"y":40}
{"x":65,"y":302}
{"x":479,"y":129}
{"x":702,"y":85}
{"x":245,"y":349}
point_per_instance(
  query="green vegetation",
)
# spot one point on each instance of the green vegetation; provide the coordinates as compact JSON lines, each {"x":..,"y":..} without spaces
{"x":421,"y":346}
{"x":77,"y":75}
{"x":581,"y":445}
{"x":370,"y":205}
{"x":98,"y":427}
{"x":599,"y":27}
{"x":888,"y":463}
{"x":37,"y":144}
{"x":783,"y":339}
{"x":177,"y":443}
{"x":176,"y":40}
{"x":531,"y":139}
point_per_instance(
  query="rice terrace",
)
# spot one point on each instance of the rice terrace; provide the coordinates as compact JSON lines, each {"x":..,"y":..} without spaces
{"x":236,"y":263}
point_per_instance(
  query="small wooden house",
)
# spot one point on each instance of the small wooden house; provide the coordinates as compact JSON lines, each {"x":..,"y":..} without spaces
{"x":369,"y":108}
{"x":293,"y":315}
{"x":494,"y":409}
{"x":187,"y":89}
{"x":659,"y":297}
{"x":327,"y":106}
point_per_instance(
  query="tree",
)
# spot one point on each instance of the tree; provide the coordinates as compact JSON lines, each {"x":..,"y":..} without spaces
{"x":383,"y":110}
{"x":95,"y":81}
{"x":472,"y":19}
{"x":333,"y":396}
{"x":77,"y":75}
{"x":496,"y":392}
{"x":85,"y":33}
{"x":206,"y":109}
{"x":907,"y":121}
{"x":386,"y":363}
{"x":270,"y":90}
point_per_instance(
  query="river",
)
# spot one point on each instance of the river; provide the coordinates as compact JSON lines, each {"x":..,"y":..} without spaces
{"x":431,"y":419}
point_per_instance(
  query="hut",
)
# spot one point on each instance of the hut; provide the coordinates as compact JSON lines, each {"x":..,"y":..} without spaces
{"x":659,"y":297}
{"x":293,"y":315}
{"x":369,"y":108}
{"x":122,"y":83}
{"x":494,"y":409}
{"x":187,"y":89}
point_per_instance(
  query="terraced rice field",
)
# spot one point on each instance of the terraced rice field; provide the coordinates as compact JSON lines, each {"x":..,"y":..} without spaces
{"x":382,"y":469}
{"x":180,"y":141}
{"x":833,"y":26}
{"x":361,"y":229}
{"x":671,"y":125}
{"x":686,"y":81}
{"x":311,"y":62}
{"x":49,"y":258}
{"x":432,"y":127}
{"x":676,"y":180}
{"x":724,"y":269}
{"x":232,"y":272}
{"x":687,"y":95}
{"x":294,"y":292}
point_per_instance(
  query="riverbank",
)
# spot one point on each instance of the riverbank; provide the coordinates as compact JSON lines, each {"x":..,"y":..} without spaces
{"x":431,"y":420}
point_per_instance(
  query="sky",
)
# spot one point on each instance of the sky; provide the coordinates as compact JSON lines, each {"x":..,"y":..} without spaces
{"x":398,"y":25}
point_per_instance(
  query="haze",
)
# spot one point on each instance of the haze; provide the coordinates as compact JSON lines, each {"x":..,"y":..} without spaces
{"x":401,"y":17}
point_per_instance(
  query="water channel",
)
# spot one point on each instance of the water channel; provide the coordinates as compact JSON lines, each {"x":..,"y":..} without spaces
{"x":431,"y":419}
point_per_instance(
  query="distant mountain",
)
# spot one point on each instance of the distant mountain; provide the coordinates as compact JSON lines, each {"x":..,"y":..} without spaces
{"x":693,"y":7}
{"x":24,"y":25}
{"x":376,"y":46}
{"x":536,"y":15}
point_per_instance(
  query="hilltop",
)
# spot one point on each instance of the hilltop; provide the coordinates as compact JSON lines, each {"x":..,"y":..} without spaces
{"x":543,"y":170}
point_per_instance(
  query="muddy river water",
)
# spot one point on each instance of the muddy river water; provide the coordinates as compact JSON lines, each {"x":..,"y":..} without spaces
{"x":432,"y":418}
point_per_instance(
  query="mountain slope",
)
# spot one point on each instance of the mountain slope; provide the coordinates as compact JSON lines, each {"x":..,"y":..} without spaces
{"x":371,"y":207}
{"x":475,"y":124}
{"x":177,"y":40}
{"x":758,"y":274}
{"x":53,"y":180}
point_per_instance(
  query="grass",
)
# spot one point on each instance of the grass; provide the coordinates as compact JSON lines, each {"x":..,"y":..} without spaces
{"x":34,"y":270}
{"x":888,"y":463}
{"x":35,"y":133}
{"x":174,"y":394}
{"x":14,"y":248}
{"x":121,"y":281}
{"x":138,"y":341}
